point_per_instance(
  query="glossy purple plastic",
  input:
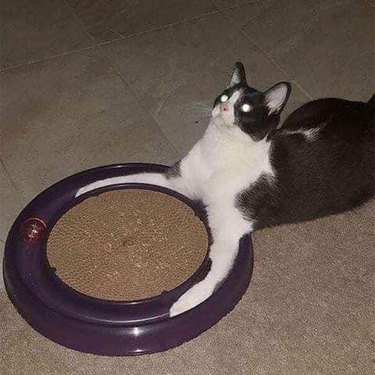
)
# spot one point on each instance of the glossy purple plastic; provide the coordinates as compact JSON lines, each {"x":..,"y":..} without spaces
{"x":103,"y":327}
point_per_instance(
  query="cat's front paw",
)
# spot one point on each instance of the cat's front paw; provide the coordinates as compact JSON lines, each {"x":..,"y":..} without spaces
{"x":193,"y":297}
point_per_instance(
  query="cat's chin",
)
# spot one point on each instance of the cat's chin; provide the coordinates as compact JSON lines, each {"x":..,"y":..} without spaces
{"x":220,"y":122}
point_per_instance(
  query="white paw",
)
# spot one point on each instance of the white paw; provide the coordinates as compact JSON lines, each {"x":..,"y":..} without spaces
{"x":193,"y":297}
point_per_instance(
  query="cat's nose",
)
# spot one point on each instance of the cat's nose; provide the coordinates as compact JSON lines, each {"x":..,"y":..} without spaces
{"x":224,"y":107}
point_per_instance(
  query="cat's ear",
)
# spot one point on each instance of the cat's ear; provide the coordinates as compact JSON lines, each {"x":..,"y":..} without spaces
{"x":276,"y":97}
{"x":238,"y":75}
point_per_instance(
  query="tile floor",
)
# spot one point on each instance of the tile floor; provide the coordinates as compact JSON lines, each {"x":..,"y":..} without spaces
{"x":88,"y":83}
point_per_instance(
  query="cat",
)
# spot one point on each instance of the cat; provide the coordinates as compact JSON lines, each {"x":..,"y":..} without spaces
{"x":250,"y":173}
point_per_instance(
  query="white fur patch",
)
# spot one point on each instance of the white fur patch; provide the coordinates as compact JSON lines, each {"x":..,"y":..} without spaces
{"x":310,"y":134}
{"x":222,"y":164}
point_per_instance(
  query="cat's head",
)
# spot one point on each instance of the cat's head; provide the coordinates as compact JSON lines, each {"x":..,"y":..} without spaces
{"x":256,"y":113}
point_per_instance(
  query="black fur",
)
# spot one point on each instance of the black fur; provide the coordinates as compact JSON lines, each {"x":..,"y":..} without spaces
{"x":173,"y":171}
{"x":315,"y":177}
{"x":258,"y":122}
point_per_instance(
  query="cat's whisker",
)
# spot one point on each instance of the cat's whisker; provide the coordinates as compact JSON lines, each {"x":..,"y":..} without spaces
{"x":201,"y":110}
{"x":208,"y":109}
{"x":200,"y":105}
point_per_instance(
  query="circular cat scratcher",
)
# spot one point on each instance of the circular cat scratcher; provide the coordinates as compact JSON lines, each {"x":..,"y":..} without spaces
{"x":99,"y":273}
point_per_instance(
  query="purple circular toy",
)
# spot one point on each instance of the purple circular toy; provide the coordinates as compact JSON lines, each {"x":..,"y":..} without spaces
{"x":97,"y":326}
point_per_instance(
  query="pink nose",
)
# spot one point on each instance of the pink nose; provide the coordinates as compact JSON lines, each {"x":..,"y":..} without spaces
{"x":224,"y":107}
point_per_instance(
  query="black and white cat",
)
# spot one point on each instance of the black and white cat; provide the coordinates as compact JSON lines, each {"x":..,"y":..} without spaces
{"x":252,"y":174}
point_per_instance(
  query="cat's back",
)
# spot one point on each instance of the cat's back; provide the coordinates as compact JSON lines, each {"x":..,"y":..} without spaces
{"x":328,"y":129}
{"x":332,"y":116}
{"x":323,"y":158}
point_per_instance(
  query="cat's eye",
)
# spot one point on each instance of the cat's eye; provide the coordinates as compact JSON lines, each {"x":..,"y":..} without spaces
{"x":224,"y":98}
{"x":246,"y":108}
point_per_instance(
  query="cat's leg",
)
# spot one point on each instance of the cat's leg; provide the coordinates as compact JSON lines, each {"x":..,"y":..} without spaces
{"x":171,"y":179}
{"x":227,"y":227}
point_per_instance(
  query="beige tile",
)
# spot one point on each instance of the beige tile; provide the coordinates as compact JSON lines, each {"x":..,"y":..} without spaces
{"x":175,"y":70}
{"x":311,"y":293}
{"x":25,"y":351}
{"x":139,"y":143}
{"x":68,"y":114}
{"x":10,"y":204}
{"x":106,"y":20}
{"x":35,"y":30}
{"x":245,"y":15}
{"x":325,"y":46}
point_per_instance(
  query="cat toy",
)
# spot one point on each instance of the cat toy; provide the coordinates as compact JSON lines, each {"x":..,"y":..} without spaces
{"x":95,"y":325}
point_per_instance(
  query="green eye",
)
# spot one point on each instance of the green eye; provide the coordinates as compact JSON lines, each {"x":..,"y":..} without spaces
{"x":224,"y":98}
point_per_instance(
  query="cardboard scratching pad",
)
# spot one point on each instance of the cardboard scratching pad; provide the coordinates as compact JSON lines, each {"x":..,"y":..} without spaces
{"x":127,"y":245}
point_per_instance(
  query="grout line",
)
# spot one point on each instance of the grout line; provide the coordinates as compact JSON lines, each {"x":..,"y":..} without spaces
{"x":169,"y":25}
{"x":271,"y":60}
{"x":114,"y":32}
{"x":122,"y":37}
{"x":10,"y":178}
{"x":294,"y":81}
{"x":235,"y":6}
{"x":268,"y":57}
{"x":368,"y":2}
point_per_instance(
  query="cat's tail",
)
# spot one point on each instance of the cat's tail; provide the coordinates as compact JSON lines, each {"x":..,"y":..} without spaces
{"x":371,"y":102}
